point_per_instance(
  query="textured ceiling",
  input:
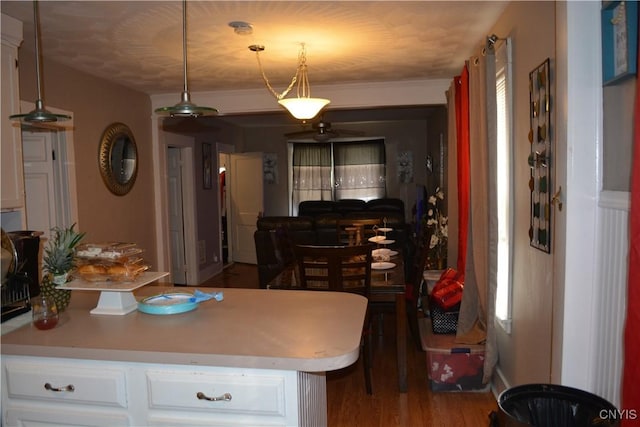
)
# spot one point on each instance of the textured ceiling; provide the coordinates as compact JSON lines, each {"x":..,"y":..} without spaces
{"x":139,"y":43}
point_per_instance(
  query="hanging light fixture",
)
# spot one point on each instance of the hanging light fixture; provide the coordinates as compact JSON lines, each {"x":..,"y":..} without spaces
{"x":185,"y":108}
{"x":40,"y":114}
{"x":303,"y":107}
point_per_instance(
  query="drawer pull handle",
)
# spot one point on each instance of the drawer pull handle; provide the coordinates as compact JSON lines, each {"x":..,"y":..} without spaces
{"x":70,"y":387}
{"x":225,"y":397}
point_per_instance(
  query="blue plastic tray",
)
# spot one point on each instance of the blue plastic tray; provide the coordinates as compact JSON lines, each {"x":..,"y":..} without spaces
{"x":171,"y":303}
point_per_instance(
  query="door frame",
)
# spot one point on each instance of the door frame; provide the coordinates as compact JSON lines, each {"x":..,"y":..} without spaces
{"x":225,"y":149}
{"x":576,"y":253}
{"x":64,"y":169}
{"x":190,"y":232}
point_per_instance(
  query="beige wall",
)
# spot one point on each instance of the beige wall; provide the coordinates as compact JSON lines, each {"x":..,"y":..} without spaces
{"x":96,"y":103}
{"x":525,"y":354}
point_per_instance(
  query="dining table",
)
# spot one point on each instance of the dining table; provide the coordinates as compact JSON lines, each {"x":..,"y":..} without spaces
{"x":387,"y":288}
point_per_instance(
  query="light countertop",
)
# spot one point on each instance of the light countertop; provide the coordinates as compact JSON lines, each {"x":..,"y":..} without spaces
{"x":251,"y":328}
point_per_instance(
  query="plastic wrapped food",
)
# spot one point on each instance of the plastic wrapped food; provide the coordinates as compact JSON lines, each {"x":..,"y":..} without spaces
{"x":111,"y":251}
{"x":109,"y":262}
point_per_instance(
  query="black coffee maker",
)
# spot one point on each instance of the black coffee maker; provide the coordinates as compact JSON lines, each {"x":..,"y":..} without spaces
{"x":22,"y":281}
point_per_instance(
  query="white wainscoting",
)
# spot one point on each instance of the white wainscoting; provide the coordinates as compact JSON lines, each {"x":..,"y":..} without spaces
{"x":613,"y":244}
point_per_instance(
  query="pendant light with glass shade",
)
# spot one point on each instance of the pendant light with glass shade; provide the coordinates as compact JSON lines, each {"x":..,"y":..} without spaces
{"x":302,"y":107}
{"x":39,"y":114}
{"x":185,"y":108}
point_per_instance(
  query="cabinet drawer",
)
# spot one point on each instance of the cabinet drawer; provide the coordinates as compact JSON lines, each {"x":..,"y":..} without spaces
{"x":91,"y":385}
{"x":56,"y":416}
{"x":250,"y":394}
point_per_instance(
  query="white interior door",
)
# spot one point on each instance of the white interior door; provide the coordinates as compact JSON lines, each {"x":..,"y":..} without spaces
{"x":176,"y":218}
{"x":247,"y":203}
{"x":39,"y":178}
{"x":50,"y":176}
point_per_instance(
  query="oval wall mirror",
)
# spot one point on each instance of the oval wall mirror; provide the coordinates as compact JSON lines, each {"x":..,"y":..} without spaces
{"x":118,"y":158}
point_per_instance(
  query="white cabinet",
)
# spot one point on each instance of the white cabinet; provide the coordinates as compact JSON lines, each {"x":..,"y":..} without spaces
{"x":221,"y":396}
{"x":56,"y":392}
{"x":12,"y":193}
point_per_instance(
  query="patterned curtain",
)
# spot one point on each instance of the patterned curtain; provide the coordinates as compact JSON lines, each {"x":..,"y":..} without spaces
{"x":359,"y":170}
{"x":312,"y":171}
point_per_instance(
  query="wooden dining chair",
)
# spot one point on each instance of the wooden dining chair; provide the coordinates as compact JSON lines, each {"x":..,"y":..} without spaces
{"x":340,"y":269}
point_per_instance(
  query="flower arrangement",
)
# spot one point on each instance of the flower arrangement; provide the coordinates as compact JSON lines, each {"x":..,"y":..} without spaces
{"x":438,"y":223}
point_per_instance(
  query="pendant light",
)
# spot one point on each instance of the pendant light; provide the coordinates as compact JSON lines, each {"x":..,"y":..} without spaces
{"x":40,"y":114}
{"x":302,"y":107}
{"x":185,"y":108}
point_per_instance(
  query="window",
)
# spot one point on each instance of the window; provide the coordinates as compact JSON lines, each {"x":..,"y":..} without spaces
{"x":338,"y":170}
{"x":504,"y":181}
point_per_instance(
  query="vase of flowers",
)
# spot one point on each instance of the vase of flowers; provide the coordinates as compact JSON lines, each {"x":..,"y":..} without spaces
{"x":59,"y":261}
{"x":437,"y":224}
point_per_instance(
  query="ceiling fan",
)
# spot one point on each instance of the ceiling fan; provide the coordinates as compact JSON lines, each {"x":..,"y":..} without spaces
{"x":322,"y":131}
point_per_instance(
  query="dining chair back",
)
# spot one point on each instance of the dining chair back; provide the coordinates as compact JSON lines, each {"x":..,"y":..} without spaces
{"x":335,"y":268}
{"x":340,"y":269}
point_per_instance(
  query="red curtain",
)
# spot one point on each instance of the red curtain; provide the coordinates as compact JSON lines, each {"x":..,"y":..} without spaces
{"x":631,"y":371}
{"x":462,"y":129}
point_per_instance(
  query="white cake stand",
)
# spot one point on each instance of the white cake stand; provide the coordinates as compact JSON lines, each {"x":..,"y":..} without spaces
{"x":115,"y":298}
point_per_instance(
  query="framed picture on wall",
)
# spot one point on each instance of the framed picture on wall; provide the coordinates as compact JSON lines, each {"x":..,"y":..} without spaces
{"x":619,"y":40}
{"x":207,"y":166}
{"x":405,"y":167}
{"x":270,"y":168}
{"x":540,"y":141}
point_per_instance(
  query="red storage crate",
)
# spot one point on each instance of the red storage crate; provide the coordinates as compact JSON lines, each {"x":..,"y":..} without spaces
{"x":451,"y":366}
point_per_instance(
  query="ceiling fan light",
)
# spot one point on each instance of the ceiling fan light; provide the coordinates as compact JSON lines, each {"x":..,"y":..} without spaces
{"x":304,"y":108}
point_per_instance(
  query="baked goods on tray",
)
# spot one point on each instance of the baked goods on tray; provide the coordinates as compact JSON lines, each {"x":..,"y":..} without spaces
{"x":114,"y":261}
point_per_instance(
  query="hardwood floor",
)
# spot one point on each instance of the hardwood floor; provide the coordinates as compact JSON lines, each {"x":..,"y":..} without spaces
{"x":235,"y":276}
{"x":347,"y":401}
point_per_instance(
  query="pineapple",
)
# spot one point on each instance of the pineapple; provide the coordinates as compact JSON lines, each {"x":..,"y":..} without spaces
{"x":59,"y":254}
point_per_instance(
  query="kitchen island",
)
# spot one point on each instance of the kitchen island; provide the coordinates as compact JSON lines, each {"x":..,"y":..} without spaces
{"x":258,"y":357}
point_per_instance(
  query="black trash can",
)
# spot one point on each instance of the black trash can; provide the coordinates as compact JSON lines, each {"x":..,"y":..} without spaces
{"x":547,"y":405}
